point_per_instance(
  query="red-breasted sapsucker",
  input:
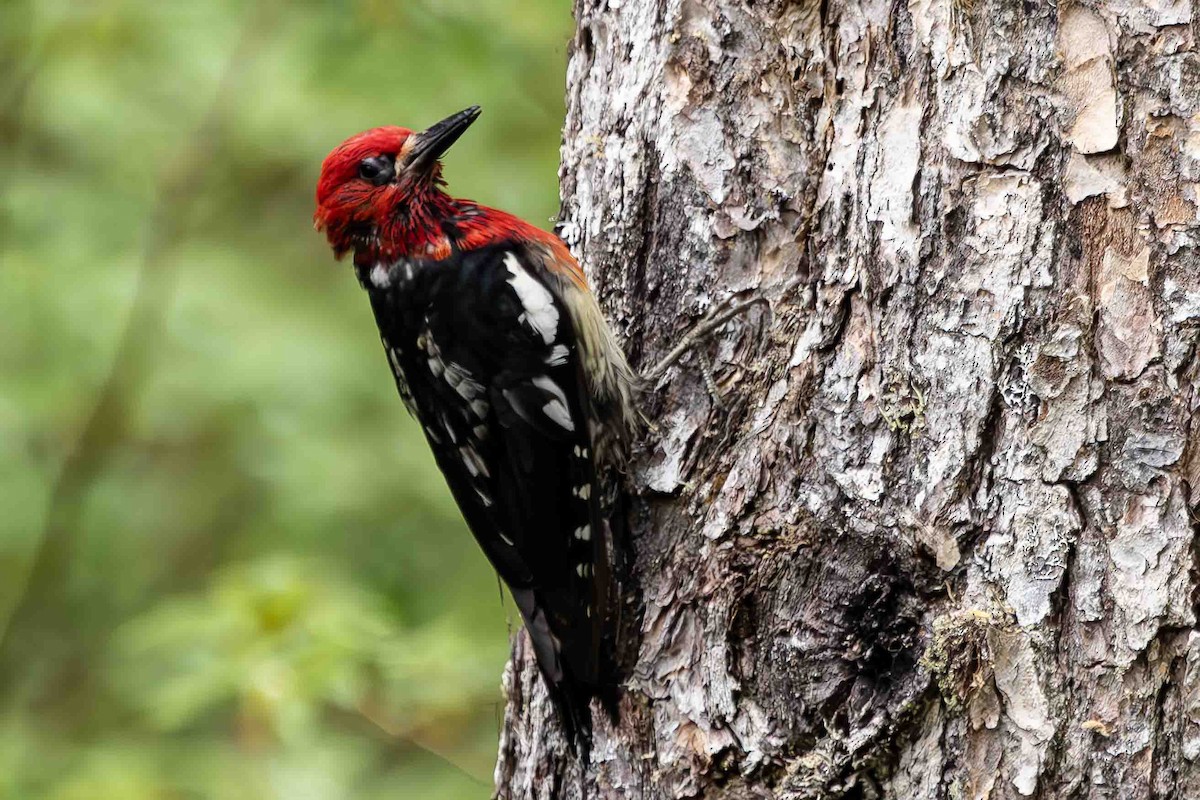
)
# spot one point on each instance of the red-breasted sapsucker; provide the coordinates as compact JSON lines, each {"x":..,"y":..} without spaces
{"x":501,"y":353}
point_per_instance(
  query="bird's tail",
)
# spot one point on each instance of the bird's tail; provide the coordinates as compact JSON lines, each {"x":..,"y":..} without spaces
{"x":570,"y":693}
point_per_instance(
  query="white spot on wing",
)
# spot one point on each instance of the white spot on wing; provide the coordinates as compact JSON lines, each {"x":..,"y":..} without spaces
{"x":381,"y":276}
{"x":558,"y":355}
{"x":556,"y":408}
{"x":475,"y":465}
{"x":540,"y":311}
{"x":449,"y":428}
{"x":584,"y":534}
{"x":401,"y":380}
{"x":461,"y":381}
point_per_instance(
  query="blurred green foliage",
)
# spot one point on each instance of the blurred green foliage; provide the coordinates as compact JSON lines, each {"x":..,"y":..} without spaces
{"x":228,"y":565}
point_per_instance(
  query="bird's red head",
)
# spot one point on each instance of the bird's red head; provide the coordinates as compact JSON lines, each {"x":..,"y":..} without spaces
{"x":380,"y":190}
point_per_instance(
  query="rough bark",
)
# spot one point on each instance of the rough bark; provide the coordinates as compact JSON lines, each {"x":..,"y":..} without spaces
{"x":939,"y":539}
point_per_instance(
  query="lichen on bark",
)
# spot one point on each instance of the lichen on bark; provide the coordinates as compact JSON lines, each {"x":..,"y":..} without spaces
{"x":938,"y":540}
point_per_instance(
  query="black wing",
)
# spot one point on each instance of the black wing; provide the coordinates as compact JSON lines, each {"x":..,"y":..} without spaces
{"x":487,"y":359}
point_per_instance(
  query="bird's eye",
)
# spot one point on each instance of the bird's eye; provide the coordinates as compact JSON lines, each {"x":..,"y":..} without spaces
{"x":377,"y":170}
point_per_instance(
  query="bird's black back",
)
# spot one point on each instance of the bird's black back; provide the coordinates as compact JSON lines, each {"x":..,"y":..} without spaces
{"x":486,"y":358}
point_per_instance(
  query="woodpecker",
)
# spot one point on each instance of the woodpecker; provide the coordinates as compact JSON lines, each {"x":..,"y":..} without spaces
{"x":501,"y":353}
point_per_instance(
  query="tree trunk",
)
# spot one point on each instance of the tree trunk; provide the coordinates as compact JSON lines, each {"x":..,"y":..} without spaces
{"x":937,"y":539}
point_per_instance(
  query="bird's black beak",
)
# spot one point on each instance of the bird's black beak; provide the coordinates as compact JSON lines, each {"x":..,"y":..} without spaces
{"x":429,"y":144}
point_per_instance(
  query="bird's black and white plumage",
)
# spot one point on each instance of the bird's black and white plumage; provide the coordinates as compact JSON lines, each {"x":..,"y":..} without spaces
{"x":501,"y":353}
{"x":490,"y":350}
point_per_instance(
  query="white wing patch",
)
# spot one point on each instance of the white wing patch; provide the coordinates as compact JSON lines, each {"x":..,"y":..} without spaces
{"x":556,"y":408}
{"x":540,"y":312}
{"x":474,"y":464}
{"x":461,"y":381}
{"x":381,"y":276}
{"x":455,"y":374}
{"x":401,"y":379}
{"x":448,"y":427}
{"x":558,"y":355}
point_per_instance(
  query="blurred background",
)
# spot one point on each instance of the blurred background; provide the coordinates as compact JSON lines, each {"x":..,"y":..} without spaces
{"x":228,"y":565}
